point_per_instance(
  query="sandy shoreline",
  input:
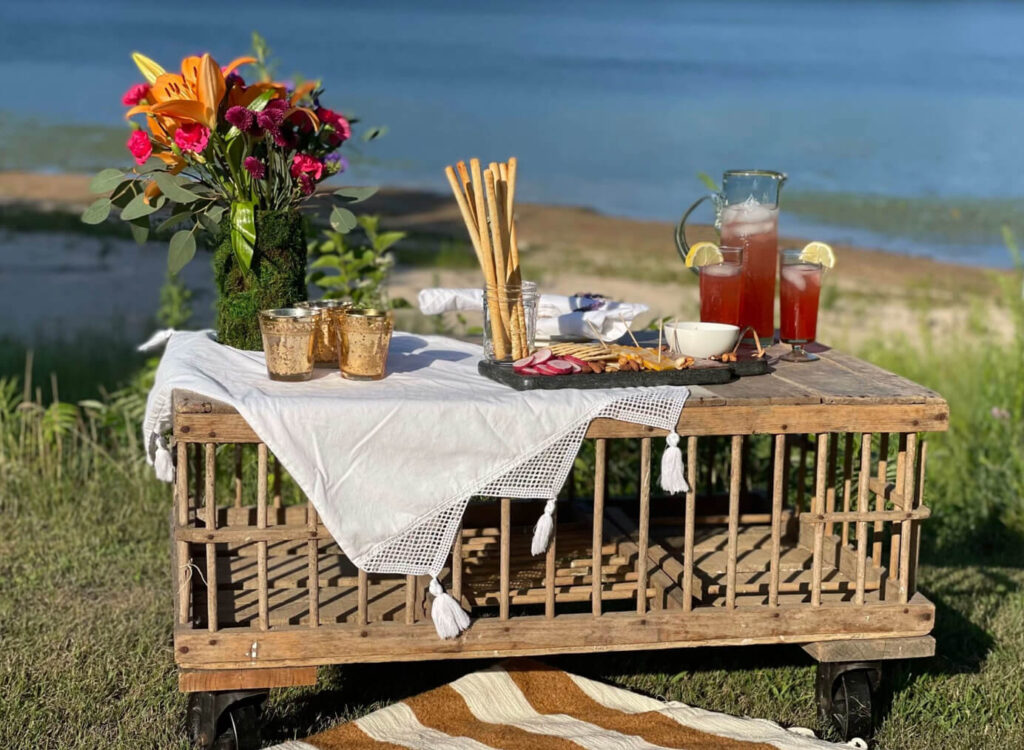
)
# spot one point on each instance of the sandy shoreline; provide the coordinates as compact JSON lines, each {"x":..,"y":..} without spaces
{"x":569,"y":249}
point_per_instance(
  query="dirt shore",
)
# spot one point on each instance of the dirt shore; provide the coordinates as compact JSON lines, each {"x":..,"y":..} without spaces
{"x":569,"y":249}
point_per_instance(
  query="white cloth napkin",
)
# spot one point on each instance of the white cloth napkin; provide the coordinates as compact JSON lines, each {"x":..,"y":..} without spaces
{"x":556,"y":315}
{"x":390,"y":465}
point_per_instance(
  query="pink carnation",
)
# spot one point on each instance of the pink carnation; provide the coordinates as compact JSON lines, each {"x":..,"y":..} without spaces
{"x":140,"y":146}
{"x":306,"y":164}
{"x":255,"y":167}
{"x":135,"y":94}
{"x":342,"y":129}
{"x":192,"y":137}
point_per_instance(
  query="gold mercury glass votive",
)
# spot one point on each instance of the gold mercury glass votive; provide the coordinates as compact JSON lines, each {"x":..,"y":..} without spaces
{"x":288,"y":334}
{"x":325,"y":341}
{"x":364,"y":336}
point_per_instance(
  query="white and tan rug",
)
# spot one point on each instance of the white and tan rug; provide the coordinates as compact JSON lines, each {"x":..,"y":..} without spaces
{"x":527,"y":705}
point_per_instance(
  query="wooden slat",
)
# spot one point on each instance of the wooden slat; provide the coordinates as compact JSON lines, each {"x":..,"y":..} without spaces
{"x":363,"y":594}
{"x":549,"y":567}
{"x":872,"y":649}
{"x":410,"y":598}
{"x":505,"y":569}
{"x":217,"y":680}
{"x":735,"y":476}
{"x":905,"y":390}
{"x":900,"y":516}
{"x":210,"y":476}
{"x":830,"y":489}
{"x":878,"y":528}
{"x":600,"y":468}
{"x":313,"y":563}
{"x":778,"y":480}
{"x":688,"y":525}
{"x":277,"y":484}
{"x":819,"y":528}
{"x":847,"y":482}
{"x":183,"y":574}
{"x":801,"y":476}
{"x":922,"y":462}
{"x":906,"y":537}
{"x":457,"y":564}
{"x":261,"y":523}
{"x":238,"y":475}
{"x":862,"y":504}
{"x":570,"y":633}
{"x":645,"y":525}
{"x":772,"y":419}
{"x":839,"y":384}
{"x":894,"y":530}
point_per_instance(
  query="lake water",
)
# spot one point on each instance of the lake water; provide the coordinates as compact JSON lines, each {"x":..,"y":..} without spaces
{"x":900,"y":124}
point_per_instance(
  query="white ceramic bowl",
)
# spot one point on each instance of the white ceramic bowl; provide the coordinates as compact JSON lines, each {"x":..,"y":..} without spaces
{"x":701,"y":340}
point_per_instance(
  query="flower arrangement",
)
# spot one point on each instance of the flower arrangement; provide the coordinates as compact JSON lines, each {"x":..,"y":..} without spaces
{"x":234,"y":159}
{"x":209,"y":141}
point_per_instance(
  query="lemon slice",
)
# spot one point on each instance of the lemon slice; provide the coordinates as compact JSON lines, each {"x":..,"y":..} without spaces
{"x":703,"y":254}
{"x":818,"y":252}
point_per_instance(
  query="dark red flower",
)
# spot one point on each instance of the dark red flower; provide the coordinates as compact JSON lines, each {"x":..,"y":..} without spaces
{"x":140,"y":146}
{"x":306,"y":164}
{"x":241,"y":118}
{"x":340,"y":127}
{"x":135,"y":94}
{"x":255,"y":167}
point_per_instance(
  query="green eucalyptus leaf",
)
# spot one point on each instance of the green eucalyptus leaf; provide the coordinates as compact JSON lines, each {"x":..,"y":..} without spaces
{"x":375,"y":133}
{"x":326,"y":261}
{"x":181,"y":250}
{"x":152,"y":165}
{"x":121,"y":195}
{"x":172,"y":188}
{"x":243,"y":232}
{"x":181,"y":213}
{"x":355,"y":194}
{"x":137,"y":207}
{"x":97,"y":212}
{"x":343,"y":220}
{"x":215,"y":213}
{"x":333,"y":282}
{"x":385,"y":240}
{"x":106,"y":180}
{"x":139,"y":229}
{"x":211,"y":226}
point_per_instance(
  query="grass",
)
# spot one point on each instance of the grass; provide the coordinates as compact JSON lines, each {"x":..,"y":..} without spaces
{"x":85,"y":604}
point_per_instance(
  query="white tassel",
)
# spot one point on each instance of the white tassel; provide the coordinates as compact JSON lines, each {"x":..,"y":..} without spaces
{"x":542,"y":531}
{"x":157,"y":340}
{"x":449,"y":618}
{"x":163,"y":466}
{"x":672,"y":479}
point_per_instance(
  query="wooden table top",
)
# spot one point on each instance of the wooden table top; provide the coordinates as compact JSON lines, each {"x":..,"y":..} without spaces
{"x":838,"y":393}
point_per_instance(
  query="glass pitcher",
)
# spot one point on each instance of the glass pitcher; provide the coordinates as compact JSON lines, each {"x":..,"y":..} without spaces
{"x":747,"y":216}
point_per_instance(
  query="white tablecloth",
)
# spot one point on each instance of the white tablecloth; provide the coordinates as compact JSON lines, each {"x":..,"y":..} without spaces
{"x":390,"y":465}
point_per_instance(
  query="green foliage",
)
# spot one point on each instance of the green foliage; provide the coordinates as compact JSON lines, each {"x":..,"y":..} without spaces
{"x":355,"y":267}
{"x":277,"y":277}
{"x":175,"y":309}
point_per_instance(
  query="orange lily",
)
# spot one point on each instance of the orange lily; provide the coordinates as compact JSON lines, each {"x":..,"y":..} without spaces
{"x":242,"y":96}
{"x":194,"y":95}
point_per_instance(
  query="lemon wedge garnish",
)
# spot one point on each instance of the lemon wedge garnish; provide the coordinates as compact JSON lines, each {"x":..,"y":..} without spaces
{"x":818,"y":252}
{"x":703,"y":254}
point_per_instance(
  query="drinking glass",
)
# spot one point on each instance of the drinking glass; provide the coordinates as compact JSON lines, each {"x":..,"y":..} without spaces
{"x":288,"y":334}
{"x":799,"y":291}
{"x":720,"y":286}
{"x":364,"y":338}
{"x":325,"y":341}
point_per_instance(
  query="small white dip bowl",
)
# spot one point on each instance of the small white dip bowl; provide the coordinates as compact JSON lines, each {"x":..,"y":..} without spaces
{"x":701,"y":340}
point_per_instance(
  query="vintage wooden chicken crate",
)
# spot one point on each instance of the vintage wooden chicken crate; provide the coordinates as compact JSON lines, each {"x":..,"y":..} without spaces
{"x":814,"y":543}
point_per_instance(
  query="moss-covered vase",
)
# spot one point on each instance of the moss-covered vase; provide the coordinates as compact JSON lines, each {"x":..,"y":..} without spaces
{"x":277,"y":277}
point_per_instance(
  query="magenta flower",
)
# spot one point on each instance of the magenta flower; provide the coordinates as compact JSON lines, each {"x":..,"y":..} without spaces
{"x":306,"y":184}
{"x":306,"y":164}
{"x":135,"y":94}
{"x":340,"y":126}
{"x":255,"y":167}
{"x":241,"y":118}
{"x":272,"y":116}
{"x":192,"y":137}
{"x":140,"y":146}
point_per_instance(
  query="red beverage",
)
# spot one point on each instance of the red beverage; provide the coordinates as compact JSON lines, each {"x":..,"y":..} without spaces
{"x":799,"y":292}
{"x":754,"y":227}
{"x":720,"y":293}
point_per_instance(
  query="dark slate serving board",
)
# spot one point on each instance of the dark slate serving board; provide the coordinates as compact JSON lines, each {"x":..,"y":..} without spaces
{"x":705,"y":375}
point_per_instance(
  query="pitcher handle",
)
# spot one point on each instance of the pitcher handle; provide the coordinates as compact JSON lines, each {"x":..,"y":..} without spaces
{"x":681,"y":244}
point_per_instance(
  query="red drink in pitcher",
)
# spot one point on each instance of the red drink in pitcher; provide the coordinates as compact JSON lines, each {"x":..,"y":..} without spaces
{"x":799,"y":292}
{"x":720,"y":288}
{"x":754,"y":227}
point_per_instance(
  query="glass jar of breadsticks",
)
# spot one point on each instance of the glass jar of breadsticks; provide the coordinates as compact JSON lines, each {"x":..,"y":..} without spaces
{"x":517,"y":319}
{"x":325,"y":340}
{"x":486,"y":200}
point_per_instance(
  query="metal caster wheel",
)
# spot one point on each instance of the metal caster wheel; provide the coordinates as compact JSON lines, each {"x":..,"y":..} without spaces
{"x":225,"y":721}
{"x":846,"y":697}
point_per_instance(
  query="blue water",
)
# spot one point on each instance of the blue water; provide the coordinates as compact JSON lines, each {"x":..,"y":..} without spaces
{"x":613,"y":105}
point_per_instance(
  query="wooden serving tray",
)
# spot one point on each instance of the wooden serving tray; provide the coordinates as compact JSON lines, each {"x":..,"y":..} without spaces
{"x":710,"y":373}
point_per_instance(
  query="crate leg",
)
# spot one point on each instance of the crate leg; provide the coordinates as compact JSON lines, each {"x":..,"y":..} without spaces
{"x":227,"y":719}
